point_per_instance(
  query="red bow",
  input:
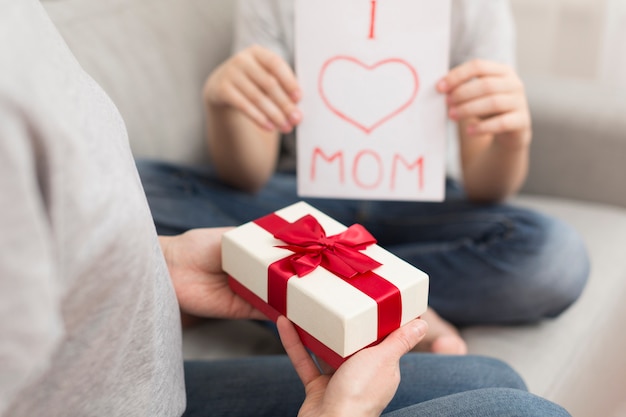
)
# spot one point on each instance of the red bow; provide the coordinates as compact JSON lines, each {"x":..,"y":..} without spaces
{"x":339,"y":253}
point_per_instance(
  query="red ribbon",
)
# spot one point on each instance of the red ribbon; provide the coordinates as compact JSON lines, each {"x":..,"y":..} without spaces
{"x":340,"y":254}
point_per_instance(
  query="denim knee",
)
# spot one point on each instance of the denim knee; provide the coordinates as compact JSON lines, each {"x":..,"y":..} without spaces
{"x":511,"y":402}
{"x":535,"y":268}
{"x":450,"y":374}
{"x":496,"y":373}
{"x":559,"y":271}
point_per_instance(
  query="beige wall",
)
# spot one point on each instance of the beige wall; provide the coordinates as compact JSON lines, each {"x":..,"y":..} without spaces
{"x":573,"y":38}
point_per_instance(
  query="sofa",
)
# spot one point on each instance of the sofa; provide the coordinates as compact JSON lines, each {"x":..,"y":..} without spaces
{"x":152,"y":57}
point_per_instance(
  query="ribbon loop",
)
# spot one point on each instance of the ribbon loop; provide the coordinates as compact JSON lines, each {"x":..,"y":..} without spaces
{"x":338,"y":253}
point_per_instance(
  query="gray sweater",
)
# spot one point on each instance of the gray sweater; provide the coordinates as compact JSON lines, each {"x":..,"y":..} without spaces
{"x":89,"y":323}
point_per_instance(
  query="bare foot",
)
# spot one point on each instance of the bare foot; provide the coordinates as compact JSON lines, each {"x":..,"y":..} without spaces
{"x":442,"y":337}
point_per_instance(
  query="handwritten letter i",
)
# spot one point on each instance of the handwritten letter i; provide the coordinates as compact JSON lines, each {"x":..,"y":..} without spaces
{"x":373,"y":20}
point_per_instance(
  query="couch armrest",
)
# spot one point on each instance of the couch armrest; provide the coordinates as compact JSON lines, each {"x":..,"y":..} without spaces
{"x":579,"y":145}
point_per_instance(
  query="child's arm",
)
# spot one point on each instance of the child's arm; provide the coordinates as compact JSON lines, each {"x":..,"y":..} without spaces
{"x":250,"y":100}
{"x":489,"y":103}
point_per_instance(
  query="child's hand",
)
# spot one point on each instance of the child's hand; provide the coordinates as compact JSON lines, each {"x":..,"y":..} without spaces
{"x":260,"y":84}
{"x":488,"y":98}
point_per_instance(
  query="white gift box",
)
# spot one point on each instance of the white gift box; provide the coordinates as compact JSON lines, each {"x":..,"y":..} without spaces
{"x":333,"y":317}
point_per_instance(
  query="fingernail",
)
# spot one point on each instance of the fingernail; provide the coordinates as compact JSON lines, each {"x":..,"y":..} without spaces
{"x":296,"y":95}
{"x":421,"y":327}
{"x":295,"y":117}
{"x":442,"y":86}
{"x":269,"y":126}
{"x":471,"y":129}
{"x":286,"y":128}
{"x":453,"y":113}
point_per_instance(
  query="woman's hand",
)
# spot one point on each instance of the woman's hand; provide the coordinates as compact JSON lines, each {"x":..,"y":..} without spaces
{"x":194,"y":262}
{"x":363,"y":385}
{"x":261,"y":85}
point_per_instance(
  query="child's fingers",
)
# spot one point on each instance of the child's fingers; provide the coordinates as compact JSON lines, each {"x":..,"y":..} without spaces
{"x":485,"y":106}
{"x":506,"y":122}
{"x":277,"y":66}
{"x":241,"y":102}
{"x":274,"y":78}
{"x":479,"y":87}
{"x":268,"y":84}
{"x":263,"y":103}
{"x":473,"y":69}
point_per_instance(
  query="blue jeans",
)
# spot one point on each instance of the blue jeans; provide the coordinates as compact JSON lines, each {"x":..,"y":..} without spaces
{"x":431,"y":385}
{"x":488,"y":264}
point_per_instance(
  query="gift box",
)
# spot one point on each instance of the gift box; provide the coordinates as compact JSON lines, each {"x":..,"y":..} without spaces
{"x":342,"y":291}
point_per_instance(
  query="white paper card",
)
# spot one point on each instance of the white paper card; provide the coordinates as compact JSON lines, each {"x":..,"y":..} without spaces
{"x":374,"y":126}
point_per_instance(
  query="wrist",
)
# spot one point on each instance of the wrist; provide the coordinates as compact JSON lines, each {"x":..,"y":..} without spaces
{"x":514,"y":141}
{"x":164,"y":242}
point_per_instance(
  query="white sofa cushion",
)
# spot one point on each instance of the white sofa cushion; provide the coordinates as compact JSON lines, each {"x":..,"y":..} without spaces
{"x":151,"y":57}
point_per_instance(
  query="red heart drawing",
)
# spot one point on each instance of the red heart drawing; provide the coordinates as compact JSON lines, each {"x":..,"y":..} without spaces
{"x":347,"y":73}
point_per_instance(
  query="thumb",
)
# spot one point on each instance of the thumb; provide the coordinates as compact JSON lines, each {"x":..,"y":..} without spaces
{"x":402,"y":340}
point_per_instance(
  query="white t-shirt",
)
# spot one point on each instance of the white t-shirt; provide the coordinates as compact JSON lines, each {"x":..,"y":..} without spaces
{"x":479,"y":29}
{"x":89,"y":322}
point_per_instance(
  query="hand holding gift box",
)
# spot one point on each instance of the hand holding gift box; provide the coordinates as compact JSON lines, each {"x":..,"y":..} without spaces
{"x":341,"y":290}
